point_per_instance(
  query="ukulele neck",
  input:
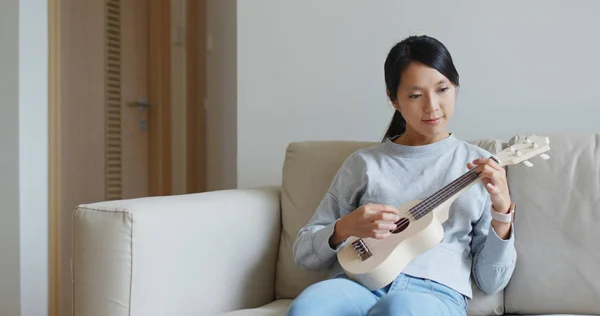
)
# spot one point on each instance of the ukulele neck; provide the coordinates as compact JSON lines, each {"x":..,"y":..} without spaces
{"x":448,"y":192}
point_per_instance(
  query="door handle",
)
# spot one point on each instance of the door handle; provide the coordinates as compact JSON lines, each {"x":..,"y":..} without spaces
{"x":141,"y":104}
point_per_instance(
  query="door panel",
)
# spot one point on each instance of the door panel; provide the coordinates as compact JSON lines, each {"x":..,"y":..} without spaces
{"x":134,"y":87}
{"x":81,"y":131}
{"x":107,"y":56}
{"x":104,"y":153}
{"x":112,"y":82}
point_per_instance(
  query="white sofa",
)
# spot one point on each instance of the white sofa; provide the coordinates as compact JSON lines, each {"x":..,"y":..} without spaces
{"x":230,"y":252}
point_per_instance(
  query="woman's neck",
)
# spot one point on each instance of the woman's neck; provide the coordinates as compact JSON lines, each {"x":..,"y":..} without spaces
{"x":414,"y":139}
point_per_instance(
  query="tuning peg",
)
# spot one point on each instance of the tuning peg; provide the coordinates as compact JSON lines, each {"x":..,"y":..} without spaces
{"x":518,"y":153}
{"x":527,"y":163}
{"x":534,"y":145}
{"x":544,"y":156}
{"x":513,"y":140}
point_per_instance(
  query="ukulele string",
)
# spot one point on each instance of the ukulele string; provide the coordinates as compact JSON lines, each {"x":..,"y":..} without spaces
{"x":422,"y":207}
{"x":461,"y":180}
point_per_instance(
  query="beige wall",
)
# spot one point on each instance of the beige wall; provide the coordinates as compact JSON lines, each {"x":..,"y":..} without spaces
{"x":313,"y":70}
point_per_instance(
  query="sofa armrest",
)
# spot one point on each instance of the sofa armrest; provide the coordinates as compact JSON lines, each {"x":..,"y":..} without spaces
{"x":192,"y":254}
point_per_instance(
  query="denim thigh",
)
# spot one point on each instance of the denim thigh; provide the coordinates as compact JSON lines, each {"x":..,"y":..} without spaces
{"x":406,"y":295}
{"x":415,"y":296}
{"x":339,"y":296}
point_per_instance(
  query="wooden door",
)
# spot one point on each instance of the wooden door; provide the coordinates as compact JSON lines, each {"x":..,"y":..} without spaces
{"x":108,"y":129}
{"x":130,"y":168}
{"x":110,"y":112}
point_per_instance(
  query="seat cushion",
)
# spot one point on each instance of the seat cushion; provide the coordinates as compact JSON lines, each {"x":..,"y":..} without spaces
{"x":556,"y":226}
{"x":309,"y":168}
{"x":276,"y":308}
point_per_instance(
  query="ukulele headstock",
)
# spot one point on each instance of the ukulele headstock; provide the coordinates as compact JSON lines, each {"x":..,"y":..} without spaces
{"x":520,"y":150}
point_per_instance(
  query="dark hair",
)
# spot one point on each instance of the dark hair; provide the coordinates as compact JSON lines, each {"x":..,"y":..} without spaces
{"x":423,"y":49}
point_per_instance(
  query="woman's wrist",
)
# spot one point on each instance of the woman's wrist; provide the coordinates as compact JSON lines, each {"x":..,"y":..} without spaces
{"x":339,"y":234}
{"x":502,"y":228}
{"x":502,"y":208}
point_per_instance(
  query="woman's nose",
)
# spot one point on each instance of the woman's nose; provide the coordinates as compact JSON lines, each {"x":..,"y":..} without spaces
{"x":432,"y":105}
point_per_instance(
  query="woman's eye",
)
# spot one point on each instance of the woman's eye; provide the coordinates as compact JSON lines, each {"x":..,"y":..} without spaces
{"x":414,"y":96}
{"x":444,"y":89}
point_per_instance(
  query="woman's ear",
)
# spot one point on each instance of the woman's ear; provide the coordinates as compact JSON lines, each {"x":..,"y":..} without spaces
{"x":394,"y":103}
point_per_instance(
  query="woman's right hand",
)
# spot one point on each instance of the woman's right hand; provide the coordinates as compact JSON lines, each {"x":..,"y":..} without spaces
{"x":367,"y":221}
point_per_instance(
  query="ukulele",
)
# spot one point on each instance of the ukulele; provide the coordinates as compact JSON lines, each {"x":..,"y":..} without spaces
{"x":377,"y":262}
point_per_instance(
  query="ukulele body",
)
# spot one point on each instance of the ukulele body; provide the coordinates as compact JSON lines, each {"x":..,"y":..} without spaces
{"x":389,"y":256}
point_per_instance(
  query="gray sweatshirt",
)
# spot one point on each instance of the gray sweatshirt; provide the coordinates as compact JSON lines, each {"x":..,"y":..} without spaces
{"x":388,"y":173}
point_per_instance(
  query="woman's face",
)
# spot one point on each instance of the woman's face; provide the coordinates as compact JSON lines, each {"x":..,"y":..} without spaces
{"x":426,"y":100}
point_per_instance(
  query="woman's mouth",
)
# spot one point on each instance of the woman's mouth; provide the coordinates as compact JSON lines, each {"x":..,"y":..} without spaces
{"x":433,"y":121}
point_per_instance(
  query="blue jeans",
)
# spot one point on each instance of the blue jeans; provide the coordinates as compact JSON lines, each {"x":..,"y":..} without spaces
{"x":406,"y":295}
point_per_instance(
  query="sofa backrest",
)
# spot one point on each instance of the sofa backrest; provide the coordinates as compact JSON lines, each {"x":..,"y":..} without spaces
{"x":309,"y":168}
{"x":557,"y":230}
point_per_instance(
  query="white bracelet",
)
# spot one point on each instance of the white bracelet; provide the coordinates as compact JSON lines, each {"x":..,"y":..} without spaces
{"x":504,"y":217}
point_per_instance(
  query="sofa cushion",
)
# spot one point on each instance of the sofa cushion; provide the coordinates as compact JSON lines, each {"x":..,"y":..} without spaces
{"x":556,"y":226}
{"x":275,"y":308}
{"x":308,"y":170}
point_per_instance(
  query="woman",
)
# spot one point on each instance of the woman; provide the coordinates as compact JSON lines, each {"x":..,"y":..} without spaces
{"x":417,"y":157}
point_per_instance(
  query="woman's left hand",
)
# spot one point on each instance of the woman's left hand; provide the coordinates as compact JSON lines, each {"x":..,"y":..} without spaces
{"x":495,"y":182}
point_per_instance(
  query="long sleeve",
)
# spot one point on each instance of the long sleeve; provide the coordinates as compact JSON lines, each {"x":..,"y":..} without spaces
{"x":311,"y":248}
{"x":494,"y":258}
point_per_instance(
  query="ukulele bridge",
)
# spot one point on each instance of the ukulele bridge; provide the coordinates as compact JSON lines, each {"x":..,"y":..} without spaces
{"x":361,"y":249}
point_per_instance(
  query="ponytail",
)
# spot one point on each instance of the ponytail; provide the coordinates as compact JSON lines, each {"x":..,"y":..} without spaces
{"x":397,"y":126}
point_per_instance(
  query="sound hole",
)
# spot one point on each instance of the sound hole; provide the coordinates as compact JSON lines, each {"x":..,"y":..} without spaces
{"x":402,"y":225}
